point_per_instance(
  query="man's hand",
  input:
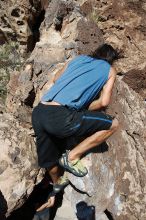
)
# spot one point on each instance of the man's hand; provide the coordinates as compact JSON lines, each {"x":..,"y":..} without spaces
{"x":95,"y":105}
{"x":48,"y":204}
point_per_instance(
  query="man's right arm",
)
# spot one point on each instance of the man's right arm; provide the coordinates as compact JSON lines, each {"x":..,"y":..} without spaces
{"x":106,"y":92}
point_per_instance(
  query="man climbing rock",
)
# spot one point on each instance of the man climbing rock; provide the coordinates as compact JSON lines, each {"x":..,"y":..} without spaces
{"x":71,"y":108}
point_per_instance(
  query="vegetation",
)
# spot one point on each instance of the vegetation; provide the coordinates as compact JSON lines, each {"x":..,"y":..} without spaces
{"x":96,"y":17}
{"x":10,"y":60}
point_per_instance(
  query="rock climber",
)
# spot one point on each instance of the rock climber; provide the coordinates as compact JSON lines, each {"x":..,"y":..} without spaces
{"x":71,"y":107}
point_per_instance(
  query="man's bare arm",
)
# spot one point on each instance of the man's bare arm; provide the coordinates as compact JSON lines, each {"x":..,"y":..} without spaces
{"x":96,"y":104}
{"x":106,"y":92}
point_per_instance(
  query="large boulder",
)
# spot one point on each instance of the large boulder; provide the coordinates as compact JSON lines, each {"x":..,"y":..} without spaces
{"x":117,"y":172}
{"x":61,"y":38}
{"x":115,"y":183}
{"x":116,"y":180}
{"x":19,"y":172}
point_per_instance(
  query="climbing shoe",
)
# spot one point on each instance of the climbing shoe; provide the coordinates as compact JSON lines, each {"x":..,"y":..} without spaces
{"x":75,"y":167}
{"x":62,"y":182}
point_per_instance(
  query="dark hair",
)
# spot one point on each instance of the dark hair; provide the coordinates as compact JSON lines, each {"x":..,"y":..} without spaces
{"x":105,"y":52}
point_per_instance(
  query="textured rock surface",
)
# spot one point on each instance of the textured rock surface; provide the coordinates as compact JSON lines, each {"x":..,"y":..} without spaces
{"x":97,"y":188}
{"x":18,"y":167}
{"x":65,"y":212}
{"x":116,"y":179}
{"x":19,"y":21}
{"x":58,"y":43}
{"x":128,"y":153}
{"x":120,"y":172}
{"x":124,"y":25}
{"x":59,"y":40}
{"x":117,"y":175}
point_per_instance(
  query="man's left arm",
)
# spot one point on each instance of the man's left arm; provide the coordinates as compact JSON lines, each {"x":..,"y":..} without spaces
{"x":106,"y":92}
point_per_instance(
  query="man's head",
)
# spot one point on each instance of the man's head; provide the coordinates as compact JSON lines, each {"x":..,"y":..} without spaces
{"x":105,"y":52}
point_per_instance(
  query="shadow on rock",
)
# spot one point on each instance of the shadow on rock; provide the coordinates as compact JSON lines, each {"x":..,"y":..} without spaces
{"x":73,"y":141}
{"x":3,"y":207}
{"x":36,"y":199}
{"x":102,"y":148}
{"x":85,"y":212}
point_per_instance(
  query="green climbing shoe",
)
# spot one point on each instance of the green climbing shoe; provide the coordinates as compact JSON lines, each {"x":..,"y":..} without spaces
{"x":75,"y":167}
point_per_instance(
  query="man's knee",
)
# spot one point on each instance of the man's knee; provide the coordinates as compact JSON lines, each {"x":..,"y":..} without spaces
{"x":115,"y":125}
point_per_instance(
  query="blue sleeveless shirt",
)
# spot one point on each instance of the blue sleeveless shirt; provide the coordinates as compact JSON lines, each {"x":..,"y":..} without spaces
{"x":80,"y":83}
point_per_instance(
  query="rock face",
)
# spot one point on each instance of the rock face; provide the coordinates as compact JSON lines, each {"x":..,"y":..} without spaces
{"x":128,"y":154}
{"x":18,"y":165}
{"x":19,"y":20}
{"x":117,"y":172}
{"x":123,"y":24}
{"x":59,"y":40}
{"x":116,"y":180}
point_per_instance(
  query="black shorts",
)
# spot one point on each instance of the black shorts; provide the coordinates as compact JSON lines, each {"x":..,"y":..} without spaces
{"x":54,"y":123}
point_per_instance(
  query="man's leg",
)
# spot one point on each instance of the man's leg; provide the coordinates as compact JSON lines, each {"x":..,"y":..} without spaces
{"x":55,"y":172}
{"x":98,"y":127}
{"x":48,"y":151}
{"x":92,"y":141}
